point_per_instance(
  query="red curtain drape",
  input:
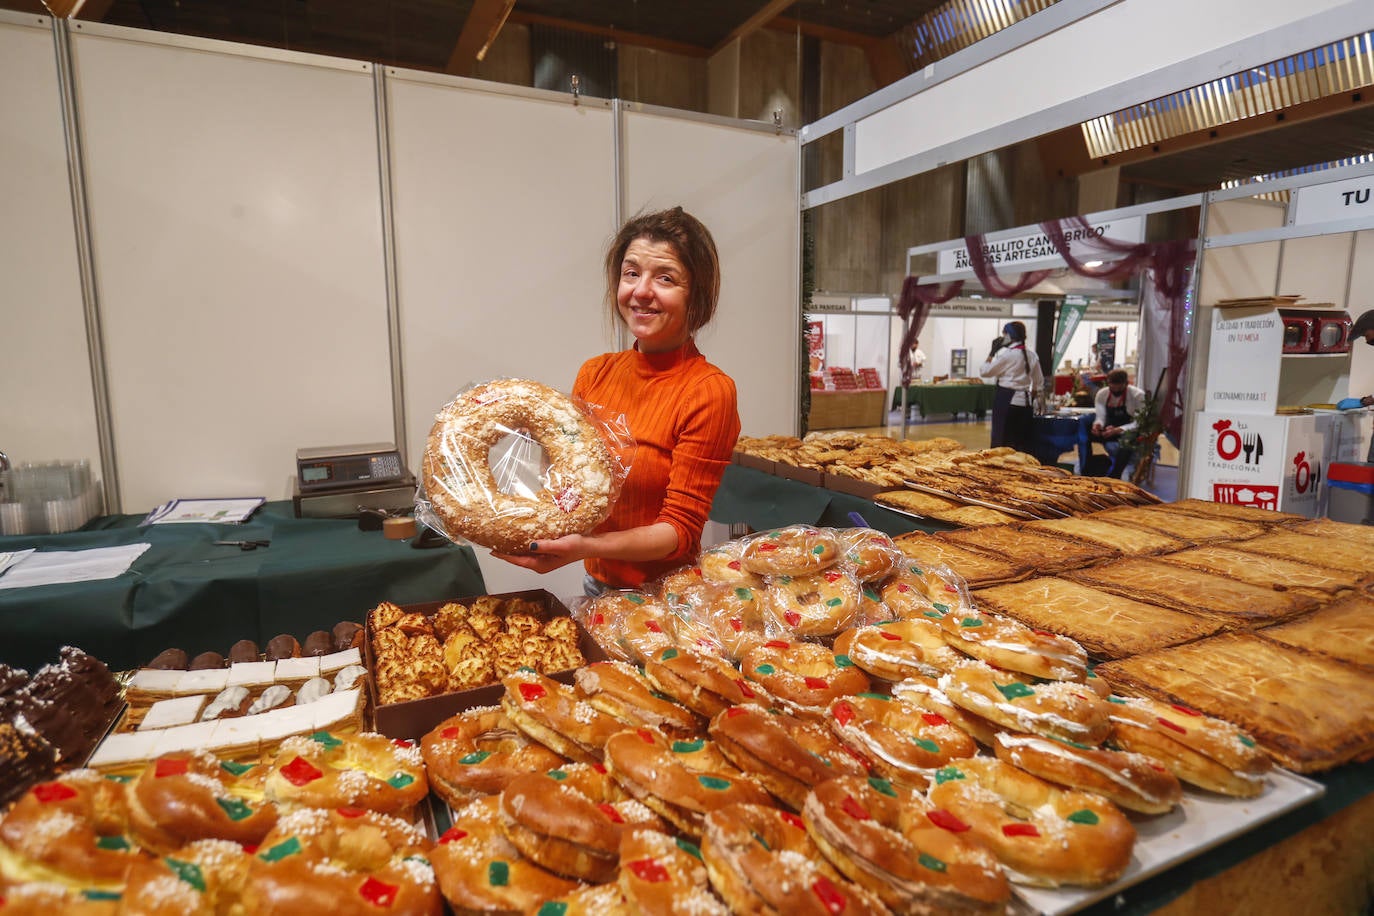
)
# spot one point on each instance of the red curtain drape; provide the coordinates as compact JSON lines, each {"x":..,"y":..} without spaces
{"x":1077,"y":241}
{"x":914,"y":308}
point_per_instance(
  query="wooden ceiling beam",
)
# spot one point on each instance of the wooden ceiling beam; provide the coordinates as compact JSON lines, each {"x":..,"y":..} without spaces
{"x":1065,"y":153}
{"x":89,"y":10}
{"x":480,"y":29}
{"x":765,"y":15}
{"x":609,"y":32}
{"x":823,"y":32}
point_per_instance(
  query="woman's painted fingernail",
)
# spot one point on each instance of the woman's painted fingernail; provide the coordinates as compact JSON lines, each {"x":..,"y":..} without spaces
{"x":534,"y":546}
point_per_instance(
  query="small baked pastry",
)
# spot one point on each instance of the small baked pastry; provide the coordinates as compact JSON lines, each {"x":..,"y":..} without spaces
{"x":477,"y":752}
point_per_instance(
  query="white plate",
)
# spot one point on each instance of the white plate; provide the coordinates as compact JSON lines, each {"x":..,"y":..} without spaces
{"x":1202,"y":821}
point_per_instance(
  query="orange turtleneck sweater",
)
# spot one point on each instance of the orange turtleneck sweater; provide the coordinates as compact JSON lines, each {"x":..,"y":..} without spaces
{"x":682,"y":413}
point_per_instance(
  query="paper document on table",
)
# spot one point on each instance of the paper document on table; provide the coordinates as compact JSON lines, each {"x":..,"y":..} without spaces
{"x":221,"y":511}
{"x":50,"y":567}
{"x":13,"y":558}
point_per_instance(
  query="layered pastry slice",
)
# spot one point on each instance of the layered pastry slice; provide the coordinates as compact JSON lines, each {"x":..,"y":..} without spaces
{"x":976,"y":567}
{"x":1046,"y":553}
{"x":1193,"y":529}
{"x":1128,"y":541}
{"x":1343,"y":629}
{"x":1270,"y":572}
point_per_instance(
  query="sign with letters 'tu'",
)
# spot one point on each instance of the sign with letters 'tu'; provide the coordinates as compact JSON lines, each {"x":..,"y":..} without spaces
{"x":1352,"y":198}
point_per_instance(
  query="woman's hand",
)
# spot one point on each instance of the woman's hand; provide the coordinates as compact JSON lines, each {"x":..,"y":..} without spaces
{"x":546,"y":556}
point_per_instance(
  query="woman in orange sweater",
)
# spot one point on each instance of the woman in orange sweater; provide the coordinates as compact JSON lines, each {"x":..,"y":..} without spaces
{"x":663,"y":282}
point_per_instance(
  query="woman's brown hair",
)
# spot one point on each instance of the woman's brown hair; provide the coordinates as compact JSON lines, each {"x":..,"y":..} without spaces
{"x":694,"y":247}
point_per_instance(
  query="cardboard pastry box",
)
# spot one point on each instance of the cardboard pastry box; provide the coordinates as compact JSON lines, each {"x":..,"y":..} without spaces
{"x":413,"y":718}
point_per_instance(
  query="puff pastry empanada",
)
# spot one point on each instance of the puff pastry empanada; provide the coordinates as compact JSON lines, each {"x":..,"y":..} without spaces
{"x":1194,"y":591}
{"x":1194,"y":529}
{"x":1267,"y":571}
{"x":975,"y":568}
{"x":1109,"y":626}
{"x":1048,"y":554}
{"x":1343,"y":629}
{"x":1132,"y":542}
{"x":1309,"y":711}
{"x":1330,"y":552}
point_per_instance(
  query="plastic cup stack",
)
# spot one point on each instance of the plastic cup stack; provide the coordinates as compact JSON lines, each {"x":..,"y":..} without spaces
{"x":48,"y":498}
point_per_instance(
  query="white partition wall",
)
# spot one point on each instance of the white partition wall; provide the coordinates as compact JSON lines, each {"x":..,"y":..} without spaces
{"x":503,"y":205}
{"x":742,"y":183}
{"x":47,"y":410}
{"x":235,"y":207}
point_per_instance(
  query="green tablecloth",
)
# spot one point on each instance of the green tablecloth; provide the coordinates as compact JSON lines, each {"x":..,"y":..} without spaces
{"x":186,"y":592}
{"x":933,"y":399}
{"x":761,"y":501}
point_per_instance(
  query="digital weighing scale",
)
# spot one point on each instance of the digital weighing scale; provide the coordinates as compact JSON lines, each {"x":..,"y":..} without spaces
{"x":339,"y":481}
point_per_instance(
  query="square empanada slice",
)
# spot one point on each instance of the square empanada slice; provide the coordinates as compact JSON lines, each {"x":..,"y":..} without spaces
{"x":1193,"y":591}
{"x":1195,"y":529}
{"x":1325,"y":551}
{"x":1267,"y":571}
{"x":975,"y":568}
{"x":1343,"y":629}
{"x":1343,"y":531}
{"x":915,"y":501}
{"x":1207,"y":509}
{"x":1046,"y":553}
{"x":1109,"y":626}
{"x":1309,"y":711}
{"x":1131,"y":542}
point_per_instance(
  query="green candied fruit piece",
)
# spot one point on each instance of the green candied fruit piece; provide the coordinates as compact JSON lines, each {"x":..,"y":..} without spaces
{"x":834,"y":602}
{"x":327,"y":740}
{"x":1083,"y":817}
{"x":558,"y":775}
{"x":688,"y":747}
{"x":818,"y":549}
{"x":930,"y":862}
{"x":942,"y":608}
{"x":668,"y":655}
{"x":875,"y":696}
{"x":498,"y":874}
{"x":112,"y":843}
{"x":236,"y":808}
{"x":871,"y":593}
{"x":690,"y":848}
{"x":188,"y":872}
{"x":882,"y":786}
{"x":552,"y":908}
{"x":971,"y":622}
{"x":844,"y":661}
{"x":925,"y":744}
{"x":1116,"y":699}
{"x":91,"y":894}
{"x":744,"y":594}
{"x":1015,"y":690}
{"x":289,"y":847}
{"x":762,"y":841}
{"x":235,"y":769}
{"x":400,"y":780}
{"x":635,"y":599}
{"x":765,"y":669}
{"x":474,"y":758}
{"x":715,"y":783}
{"x":945,"y":774}
{"x":1246,"y":740}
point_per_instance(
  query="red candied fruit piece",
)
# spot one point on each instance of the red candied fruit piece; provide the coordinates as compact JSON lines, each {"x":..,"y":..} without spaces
{"x":735,"y":565}
{"x":48,"y":792}
{"x":816,"y":683}
{"x":844,"y":713}
{"x":450,"y":733}
{"x":833,"y":576}
{"x":1172,"y":725}
{"x":946,"y":821}
{"x":645,"y":735}
{"x":855,"y":810}
{"x":1185,"y":710}
{"x":452,"y":834}
{"x":829,"y":895}
{"x":890,"y":637}
{"x":735,"y":711}
{"x":171,"y":766}
{"x":931,"y":718}
{"x":1019,"y":830}
{"x":789,"y":818}
{"x":792,"y":618}
{"x":300,"y":771}
{"x":744,"y":689}
{"x":611,"y":814}
{"x":531,"y":692}
{"x":653,"y":626}
{"x":378,"y":893}
{"x":737,"y":624}
{"x":351,"y":813}
{"x":650,"y":870}
{"x":778,"y":644}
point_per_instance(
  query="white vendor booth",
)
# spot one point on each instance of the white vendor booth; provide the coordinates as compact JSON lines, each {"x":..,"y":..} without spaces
{"x":1254,"y":435}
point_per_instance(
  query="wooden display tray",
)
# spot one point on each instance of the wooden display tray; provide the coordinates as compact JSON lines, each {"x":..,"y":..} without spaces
{"x":414,"y":718}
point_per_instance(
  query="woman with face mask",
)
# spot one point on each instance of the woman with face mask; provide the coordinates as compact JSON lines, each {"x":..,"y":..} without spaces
{"x":1016,"y":371}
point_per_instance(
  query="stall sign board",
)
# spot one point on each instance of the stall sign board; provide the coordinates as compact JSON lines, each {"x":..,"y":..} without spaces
{"x":967,"y":309}
{"x":1243,"y":369}
{"x":1269,"y":462}
{"x":1033,"y":249}
{"x":1352,"y":198}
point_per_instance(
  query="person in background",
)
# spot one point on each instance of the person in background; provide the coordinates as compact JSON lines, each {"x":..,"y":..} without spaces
{"x":918,"y":358}
{"x":1020,"y":381}
{"x":1115,"y":409}
{"x":663,"y":284}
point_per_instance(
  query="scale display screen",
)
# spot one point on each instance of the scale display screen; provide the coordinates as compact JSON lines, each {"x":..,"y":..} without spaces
{"x":349,"y":465}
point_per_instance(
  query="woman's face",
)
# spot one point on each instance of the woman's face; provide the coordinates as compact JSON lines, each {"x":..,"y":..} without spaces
{"x":652,"y":296}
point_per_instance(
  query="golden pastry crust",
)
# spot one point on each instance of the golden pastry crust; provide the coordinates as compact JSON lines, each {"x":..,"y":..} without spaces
{"x":457,"y":477}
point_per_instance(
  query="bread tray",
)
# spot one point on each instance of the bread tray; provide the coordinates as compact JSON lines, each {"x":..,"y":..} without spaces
{"x":935,"y":491}
{"x":413,"y":718}
{"x":1203,"y":821}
